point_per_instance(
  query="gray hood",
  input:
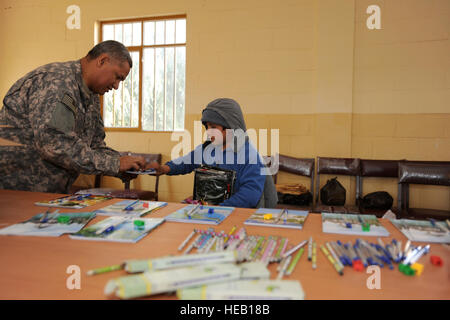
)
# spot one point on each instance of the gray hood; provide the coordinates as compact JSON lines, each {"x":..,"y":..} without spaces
{"x":227,"y":110}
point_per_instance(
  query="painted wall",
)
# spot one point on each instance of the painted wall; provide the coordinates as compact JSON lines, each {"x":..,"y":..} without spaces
{"x":310,"y":68}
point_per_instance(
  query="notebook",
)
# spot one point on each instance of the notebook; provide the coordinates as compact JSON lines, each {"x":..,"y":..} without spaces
{"x":200,"y":214}
{"x":353,"y":224}
{"x":119,"y":229}
{"x":76,"y":201}
{"x":264,"y":217}
{"x":53,"y":224}
{"x":423,"y":231}
{"x":139,"y":208}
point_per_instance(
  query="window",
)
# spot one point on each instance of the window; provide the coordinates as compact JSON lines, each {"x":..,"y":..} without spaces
{"x":152,"y":97}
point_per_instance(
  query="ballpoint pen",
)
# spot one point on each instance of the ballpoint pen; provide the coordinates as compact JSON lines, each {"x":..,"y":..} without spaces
{"x":333,"y":254}
{"x":295,"y":261}
{"x":437,"y":225}
{"x":284,"y":267}
{"x":310,"y":249}
{"x":333,"y":262}
{"x":301,"y":244}
{"x":314,"y":256}
{"x":111,"y":227}
{"x":193,"y":210}
{"x":44,"y":218}
{"x":280,"y":215}
{"x":130,"y":206}
{"x":189,"y":237}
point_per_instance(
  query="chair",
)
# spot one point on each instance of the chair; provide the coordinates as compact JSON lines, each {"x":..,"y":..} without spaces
{"x":425,"y":173}
{"x":336,"y":166}
{"x":376,"y":169}
{"x":299,"y":166}
{"x":128,"y":193}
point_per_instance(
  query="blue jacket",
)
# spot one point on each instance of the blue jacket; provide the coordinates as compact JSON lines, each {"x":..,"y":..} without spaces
{"x":246,"y":163}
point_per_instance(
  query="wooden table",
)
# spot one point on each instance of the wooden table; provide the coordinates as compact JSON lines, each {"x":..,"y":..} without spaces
{"x":35,"y":267}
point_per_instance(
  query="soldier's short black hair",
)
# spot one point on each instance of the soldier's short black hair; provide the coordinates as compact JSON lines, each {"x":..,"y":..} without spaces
{"x":114,"y":48}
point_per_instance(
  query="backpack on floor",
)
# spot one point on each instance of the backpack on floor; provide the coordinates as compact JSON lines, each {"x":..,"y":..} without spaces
{"x":333,"y":193}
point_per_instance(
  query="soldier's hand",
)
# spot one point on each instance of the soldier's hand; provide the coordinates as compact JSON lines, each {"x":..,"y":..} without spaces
{"x":131,"y":163}
{"x":160,"y":169}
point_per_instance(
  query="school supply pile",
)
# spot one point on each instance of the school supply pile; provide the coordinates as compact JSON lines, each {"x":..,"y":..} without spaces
{"x":362,"y":254}
{"x":50,"y":224}
{"x":219,"y":260}
{"x":249,"y":248}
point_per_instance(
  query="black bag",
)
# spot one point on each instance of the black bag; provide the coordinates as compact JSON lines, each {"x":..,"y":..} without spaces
{"x":333,"y":193}
{"x":213,"y":184}
{"x":377,"y":200}
{"x":303,"y":199}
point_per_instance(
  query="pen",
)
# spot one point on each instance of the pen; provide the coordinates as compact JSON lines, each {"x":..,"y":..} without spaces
{"x":45,"y":218}
{"x":310,"y":249}
{"x":333,"y":254}
{"x":314,"y":256}
{"x":334,"y":263}
{"x":280,"y":249}
{"x":130,"y":206}
{"x":230,"y":233}
{"x":193,"y":210}
{"x":405,"y":251}
{"x":110,"y":227}
{"x":82,"y":196}
{"x":192,"y":245}
{"x":437,"y":225}
{"x":295,"y":261}
{"x":283,"y":269}
{"x":189,"y":237}
{"x":280,"y":215}
{"x":301,"y":244}
{"x":419,"y":254}
{"x":105,"y":269}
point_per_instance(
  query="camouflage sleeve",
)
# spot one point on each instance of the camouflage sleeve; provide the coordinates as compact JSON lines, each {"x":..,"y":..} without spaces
{"x":98,"y":140}
{"x":53,"y":120}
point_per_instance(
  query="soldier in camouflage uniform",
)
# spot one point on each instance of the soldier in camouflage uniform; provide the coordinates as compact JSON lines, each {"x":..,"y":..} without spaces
{"x":54,"y":113}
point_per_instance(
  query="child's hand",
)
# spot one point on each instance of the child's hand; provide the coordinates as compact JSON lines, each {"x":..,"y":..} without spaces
{"x":160,"y":169}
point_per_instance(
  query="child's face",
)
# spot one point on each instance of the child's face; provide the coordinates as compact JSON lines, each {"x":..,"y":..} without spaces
{"x":216,"y":133}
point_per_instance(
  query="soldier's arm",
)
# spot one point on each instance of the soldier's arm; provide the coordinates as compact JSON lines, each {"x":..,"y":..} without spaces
{"x":98,"y":140}
{"x":52,"y":118}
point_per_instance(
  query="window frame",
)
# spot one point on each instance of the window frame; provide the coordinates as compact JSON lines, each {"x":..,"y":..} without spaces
{"x":140,"y":49}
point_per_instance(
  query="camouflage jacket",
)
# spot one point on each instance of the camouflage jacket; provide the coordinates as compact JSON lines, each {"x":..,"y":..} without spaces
{"x":56,"y":118}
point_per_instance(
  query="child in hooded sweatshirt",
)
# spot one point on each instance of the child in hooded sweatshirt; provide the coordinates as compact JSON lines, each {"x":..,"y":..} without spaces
{"x":226,"y":149}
